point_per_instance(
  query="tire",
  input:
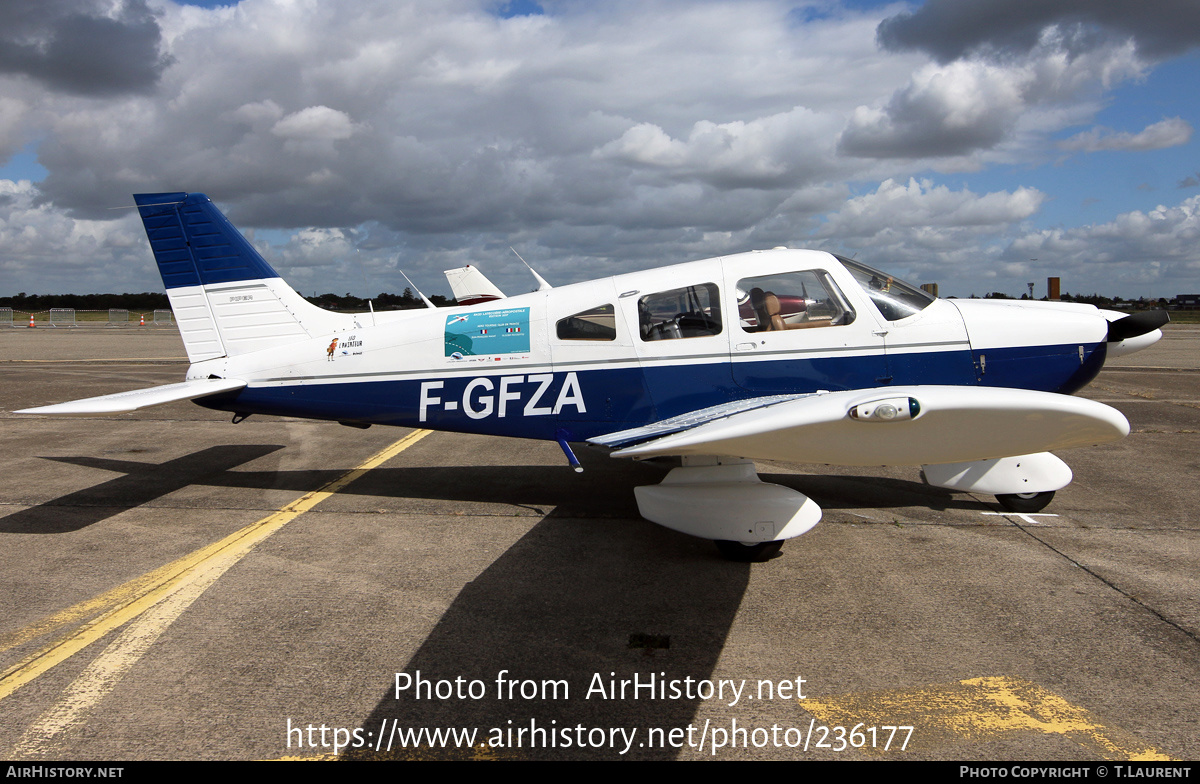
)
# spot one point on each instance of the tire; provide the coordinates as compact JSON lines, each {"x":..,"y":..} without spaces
{"x":1025,"y":503}
{"x":749,"y":553}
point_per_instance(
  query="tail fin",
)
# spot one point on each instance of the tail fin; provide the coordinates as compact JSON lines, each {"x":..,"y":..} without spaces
{"x":227,"y":299}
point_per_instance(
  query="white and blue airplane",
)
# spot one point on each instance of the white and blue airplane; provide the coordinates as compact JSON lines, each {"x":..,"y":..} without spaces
{"x":793,"y":355}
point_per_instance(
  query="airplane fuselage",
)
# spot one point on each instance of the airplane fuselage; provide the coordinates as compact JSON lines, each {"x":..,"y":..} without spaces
{"x":583,"y":360}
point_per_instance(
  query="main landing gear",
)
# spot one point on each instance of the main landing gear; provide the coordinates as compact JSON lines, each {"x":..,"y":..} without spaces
{"x":756,"y":552}
{"x":724,"y":500}
{"x":1025,"y":503}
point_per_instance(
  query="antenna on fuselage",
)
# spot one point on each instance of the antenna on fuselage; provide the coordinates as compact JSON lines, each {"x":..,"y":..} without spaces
{"x":542,"y":284}
{"x":425,"y":299}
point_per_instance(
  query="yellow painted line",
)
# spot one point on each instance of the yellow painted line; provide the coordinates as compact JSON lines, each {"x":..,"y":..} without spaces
{"x":981,"y":709}
{"x":99,"y":678}
{"x":130,"y":600}
{"x":107,"y":600}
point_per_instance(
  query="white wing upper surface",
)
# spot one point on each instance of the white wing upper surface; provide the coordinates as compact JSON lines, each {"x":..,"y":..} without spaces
{"x":950,"y":424}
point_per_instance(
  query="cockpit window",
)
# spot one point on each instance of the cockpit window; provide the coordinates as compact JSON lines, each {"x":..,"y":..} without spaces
{"x":894,"y":298}
{"x":690,"y":312}
{"x":791,"y":300}
{"x":599,"y":323}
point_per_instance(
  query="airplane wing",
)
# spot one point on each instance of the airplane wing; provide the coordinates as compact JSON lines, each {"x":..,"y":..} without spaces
{"x":905,"y":425}
{"x":124,"y":402}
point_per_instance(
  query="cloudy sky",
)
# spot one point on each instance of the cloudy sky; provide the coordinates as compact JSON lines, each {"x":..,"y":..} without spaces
{"x":978,"y":143}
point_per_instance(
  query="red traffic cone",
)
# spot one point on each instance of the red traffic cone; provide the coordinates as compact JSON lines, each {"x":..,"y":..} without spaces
{"x":31,"y":324}
{"x":143,"y":322}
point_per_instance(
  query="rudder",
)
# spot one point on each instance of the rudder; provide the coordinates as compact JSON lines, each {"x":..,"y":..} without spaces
{"x":227,"y":299}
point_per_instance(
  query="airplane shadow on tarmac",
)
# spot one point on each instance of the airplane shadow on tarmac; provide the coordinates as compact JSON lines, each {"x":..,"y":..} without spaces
{"x":589,"y":595}
{"x":531,"y":654}
{"x":140,"y":483}
{"x":526,"y":486}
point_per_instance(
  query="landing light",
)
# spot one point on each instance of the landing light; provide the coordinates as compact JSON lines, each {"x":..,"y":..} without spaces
{"x":888,"y":410}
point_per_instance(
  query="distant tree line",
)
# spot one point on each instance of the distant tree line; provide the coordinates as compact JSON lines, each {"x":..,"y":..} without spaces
{"x":149,"y":301}
{"x":384,"y":301}
{"x":1102,"y":301}
{"x":1090,"y":299}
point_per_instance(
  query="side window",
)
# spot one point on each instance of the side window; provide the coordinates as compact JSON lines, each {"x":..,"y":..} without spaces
{"x":791,"y":300}
{"x":599,"y":323}
{"x":690,"y":312}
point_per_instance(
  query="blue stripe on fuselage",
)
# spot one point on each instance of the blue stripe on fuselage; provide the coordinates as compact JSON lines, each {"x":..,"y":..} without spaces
{"x":594,"y":402}
{"x":1043,"y":368}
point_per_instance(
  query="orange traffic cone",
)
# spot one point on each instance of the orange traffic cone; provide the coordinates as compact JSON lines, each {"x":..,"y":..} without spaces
{"x":31,"y":324}
{"x":143,"y":322}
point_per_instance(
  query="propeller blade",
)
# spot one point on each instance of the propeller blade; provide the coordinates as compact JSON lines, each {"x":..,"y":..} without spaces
{"x":1136,"y":324}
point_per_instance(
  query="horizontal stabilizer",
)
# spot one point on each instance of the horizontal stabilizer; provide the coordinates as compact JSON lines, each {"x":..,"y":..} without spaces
{"x":124,"y":402}
{"x":910,"y":425}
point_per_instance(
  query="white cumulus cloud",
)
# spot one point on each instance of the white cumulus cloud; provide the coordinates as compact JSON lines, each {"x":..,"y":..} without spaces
{"x":1136,"y":247}
{"x":316,"y":123}
{"x":1170,"y":132}
{"x":897,"y":206}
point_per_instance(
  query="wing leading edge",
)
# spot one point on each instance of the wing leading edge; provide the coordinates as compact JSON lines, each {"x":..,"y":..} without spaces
{"x":124,"y":402}
{"x":911,"y":425}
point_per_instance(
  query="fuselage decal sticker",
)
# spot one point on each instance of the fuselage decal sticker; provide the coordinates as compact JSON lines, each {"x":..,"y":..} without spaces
{"x":490,"y":333}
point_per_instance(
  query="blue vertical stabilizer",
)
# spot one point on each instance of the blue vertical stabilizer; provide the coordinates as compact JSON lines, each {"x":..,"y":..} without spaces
{"x":226,"y":298}
{"x":194,"y":244}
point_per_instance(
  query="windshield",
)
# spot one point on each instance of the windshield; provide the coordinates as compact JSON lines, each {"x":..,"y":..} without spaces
{"x":894,"y":298}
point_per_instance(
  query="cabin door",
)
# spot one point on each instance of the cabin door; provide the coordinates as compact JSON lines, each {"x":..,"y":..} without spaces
{"x":796,"y":331}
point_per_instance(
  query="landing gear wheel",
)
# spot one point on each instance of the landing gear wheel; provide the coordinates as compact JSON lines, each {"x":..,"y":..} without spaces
{"x":749,"y":553}
{"x":1025,"y":503}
